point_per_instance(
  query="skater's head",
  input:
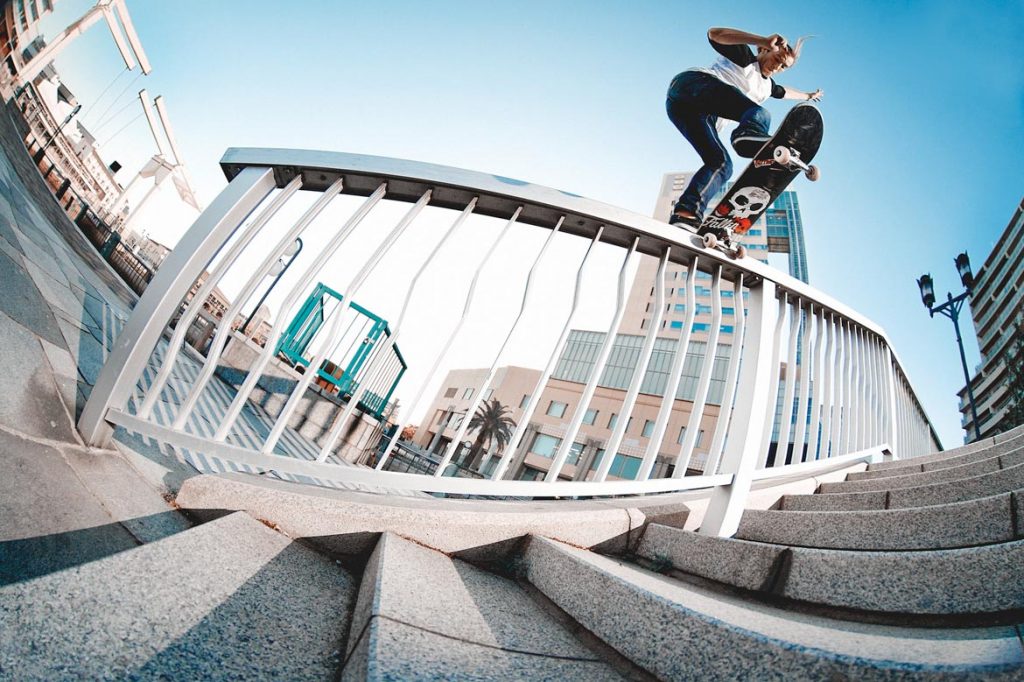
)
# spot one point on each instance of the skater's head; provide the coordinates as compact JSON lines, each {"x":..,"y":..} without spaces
{"x":780,"y":58}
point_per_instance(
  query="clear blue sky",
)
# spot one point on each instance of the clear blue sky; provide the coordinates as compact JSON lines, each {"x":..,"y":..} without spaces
{"x":924,"y":114}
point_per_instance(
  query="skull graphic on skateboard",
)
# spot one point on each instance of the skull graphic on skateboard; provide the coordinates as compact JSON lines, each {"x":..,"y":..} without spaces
{"x":779,"y":161}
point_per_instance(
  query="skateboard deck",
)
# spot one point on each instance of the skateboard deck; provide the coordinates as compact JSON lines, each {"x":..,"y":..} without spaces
{"x":779,"y":161}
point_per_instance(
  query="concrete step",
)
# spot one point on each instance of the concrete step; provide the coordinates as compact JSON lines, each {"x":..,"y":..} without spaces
{"x":911,"y":480}
{"x":680,"y":631}
{"x":983,"y":521}
{"x":230,"y":599}
{"x":913,"y":466}
{"x":422,"y":615}
{"x":955,"y":452}
{"x":981,"y":581}
{"x":994,"y":483}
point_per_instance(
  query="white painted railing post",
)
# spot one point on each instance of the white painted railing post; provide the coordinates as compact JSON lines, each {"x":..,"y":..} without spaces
{"x":163,"y":296}
{"x":891,"y":408}
{"x":752,"y":408}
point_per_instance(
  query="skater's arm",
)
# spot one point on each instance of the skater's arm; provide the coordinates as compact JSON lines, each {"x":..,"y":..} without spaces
{"x":793,"y":93}
{"x":732,"y":36}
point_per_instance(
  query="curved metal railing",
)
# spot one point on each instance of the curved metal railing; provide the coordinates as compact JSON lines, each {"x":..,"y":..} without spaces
{"x":787,"y":337}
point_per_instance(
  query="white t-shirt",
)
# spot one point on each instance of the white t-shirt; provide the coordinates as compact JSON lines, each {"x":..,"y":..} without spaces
{"x":738,"y":67}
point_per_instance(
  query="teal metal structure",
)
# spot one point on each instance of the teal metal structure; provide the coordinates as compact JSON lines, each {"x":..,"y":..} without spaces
{"x":343,"y":373}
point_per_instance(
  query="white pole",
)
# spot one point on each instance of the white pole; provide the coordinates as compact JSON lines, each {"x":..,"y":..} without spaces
{"x":753,"y":402}
{"x":158,"y":304}
{"x":686,"y":448}
{"x":612,"y":446}
{"x":390,"y":342}
{"x":602,"y":359}
{"x":732,"y":376}
{"x":534,"y":399}
{"x":668,"y":399}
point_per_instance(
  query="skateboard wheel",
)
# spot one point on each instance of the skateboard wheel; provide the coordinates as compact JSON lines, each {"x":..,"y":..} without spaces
{"x":813,"y":173}
{"x":782,"y":155}
{"x":741,"y":251}
{"x":710,"y":240}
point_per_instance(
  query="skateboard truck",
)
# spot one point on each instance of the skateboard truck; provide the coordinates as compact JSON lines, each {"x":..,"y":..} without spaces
{"x":712,"y":240}
{"x":790,"y":158}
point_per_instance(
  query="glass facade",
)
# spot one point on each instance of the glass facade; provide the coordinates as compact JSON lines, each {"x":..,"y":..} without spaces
{"x":577,"y":363}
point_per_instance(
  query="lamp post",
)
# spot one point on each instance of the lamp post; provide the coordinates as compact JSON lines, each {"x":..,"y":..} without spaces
{"x":951,"y":309}
{"x":53,"y":137}
{"x":290,"y":253}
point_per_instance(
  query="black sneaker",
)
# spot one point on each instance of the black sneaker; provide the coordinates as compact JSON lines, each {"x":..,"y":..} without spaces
{"x":692,"y":222}
{"x":749,"y":145}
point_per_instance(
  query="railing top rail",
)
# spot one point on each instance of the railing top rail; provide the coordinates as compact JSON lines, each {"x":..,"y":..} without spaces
{"x":500,"y":196}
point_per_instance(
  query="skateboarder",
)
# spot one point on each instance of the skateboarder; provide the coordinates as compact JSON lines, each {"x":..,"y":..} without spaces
{"x":732,"y":88}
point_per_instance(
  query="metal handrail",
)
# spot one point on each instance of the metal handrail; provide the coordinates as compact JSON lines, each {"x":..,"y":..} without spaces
{"x":866,"y":369}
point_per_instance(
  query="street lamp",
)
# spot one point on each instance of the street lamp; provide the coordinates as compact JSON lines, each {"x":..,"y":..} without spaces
{"x":53,"y":137}
{"x":951,"y":309}
{"x":280,"y":267}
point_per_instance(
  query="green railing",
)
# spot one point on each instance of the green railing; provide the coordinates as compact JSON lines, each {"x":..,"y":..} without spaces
{"x":345,"y":373}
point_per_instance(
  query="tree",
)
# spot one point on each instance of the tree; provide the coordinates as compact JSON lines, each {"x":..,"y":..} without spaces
{"x":1014,"y":360}
{"x":493,"y":426}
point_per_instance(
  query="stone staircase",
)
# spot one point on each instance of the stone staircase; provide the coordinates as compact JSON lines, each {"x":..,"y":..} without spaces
{"x":335,"y":584}
{"x":132,"y":564}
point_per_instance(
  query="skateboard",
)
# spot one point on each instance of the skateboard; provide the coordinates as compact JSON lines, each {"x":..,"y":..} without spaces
{"x":779,"y":161}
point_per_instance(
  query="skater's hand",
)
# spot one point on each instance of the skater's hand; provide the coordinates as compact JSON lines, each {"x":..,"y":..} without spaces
{"x":775,"y":42}
{"x":816,"y":95}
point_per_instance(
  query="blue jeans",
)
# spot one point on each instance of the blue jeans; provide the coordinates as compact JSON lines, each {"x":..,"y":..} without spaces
{"x":695,"y":102}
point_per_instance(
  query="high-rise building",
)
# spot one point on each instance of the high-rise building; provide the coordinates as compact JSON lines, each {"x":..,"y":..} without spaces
{"x":997,"y":307}
{"x":780,"y":230}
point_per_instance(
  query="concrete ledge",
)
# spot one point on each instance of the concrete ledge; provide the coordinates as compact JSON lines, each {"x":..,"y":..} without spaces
{"x":964,"y":524}
{"x":1003,"y":481}
{"x":349,"y":523}
{"x":912,"y":480}
{"x":977,"y":580}
{"x":834,"y":502}
{"x":679,"y":631}
{"x":422,"y":615}
{"x":749,"y":565}
{"x":227,"y":600}
{"x":916,"y":462}
{"x":975,"y":453}
{"x":986,"y":485}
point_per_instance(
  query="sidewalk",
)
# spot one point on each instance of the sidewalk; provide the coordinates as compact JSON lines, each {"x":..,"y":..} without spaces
{"x":62,"y":503}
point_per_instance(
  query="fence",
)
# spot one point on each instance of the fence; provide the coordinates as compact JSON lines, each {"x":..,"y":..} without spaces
{"x":862,"y":405}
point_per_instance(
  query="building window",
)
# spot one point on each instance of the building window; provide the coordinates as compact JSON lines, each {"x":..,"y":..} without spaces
{"x":556,"y":409}
{"x":450,"y":393}
{"x":700,"y":437}
{"x":440,"y":416}
{"x":612,"y":420}
{"x":531,"y":474}
{"x":488,"y":394}
{"x":467,"y":394}
{"x":622,"y":466}
{"x":677,"y":324}
{"x":727,"y":329}
{"x":701,"y":327}
{"x":545,"y":445}
{"x":590,"y":417}
{"x":457,"y":421}
{"x":524,"y":401}
{"x":648,"y":428}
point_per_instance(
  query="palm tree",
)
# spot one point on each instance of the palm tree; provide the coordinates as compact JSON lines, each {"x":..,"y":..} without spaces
{"x":493,"y":425}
